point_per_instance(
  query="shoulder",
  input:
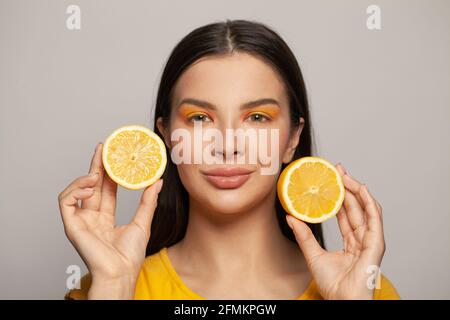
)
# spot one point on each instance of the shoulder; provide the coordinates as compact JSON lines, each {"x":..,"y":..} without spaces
{"x":156,"y":279}
{"x":153,"y":269}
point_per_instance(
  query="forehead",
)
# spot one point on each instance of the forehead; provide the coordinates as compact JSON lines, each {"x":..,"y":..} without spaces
{"x":230,"y":79}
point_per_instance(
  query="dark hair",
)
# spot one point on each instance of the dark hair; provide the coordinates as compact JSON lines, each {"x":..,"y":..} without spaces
{"x":171,"y":215}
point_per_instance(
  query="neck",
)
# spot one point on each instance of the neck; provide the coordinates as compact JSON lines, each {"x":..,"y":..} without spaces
{"x":227,"y":243}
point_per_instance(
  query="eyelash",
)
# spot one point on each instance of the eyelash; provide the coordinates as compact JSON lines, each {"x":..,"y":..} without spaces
{"x":192,"y":118}
{"x":262,"y":115}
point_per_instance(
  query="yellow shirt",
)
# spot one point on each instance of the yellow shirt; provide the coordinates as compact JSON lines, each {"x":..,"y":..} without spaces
{"x":158,"y":280}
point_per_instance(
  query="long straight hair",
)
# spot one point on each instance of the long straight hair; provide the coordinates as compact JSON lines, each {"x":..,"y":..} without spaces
{"x":172,"y":213}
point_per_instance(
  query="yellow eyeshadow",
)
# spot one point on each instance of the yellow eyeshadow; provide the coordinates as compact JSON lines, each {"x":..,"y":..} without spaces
{"x":189,"y":111}
{"x":271,"y":112}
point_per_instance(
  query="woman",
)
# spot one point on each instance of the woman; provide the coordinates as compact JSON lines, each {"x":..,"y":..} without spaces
{"x":196,"y":238}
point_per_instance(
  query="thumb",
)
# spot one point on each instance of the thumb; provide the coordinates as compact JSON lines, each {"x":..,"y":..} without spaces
{"x":305,"y":238}
{"x":147,"y":206}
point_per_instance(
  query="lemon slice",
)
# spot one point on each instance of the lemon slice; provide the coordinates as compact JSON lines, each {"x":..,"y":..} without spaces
{"x":134,"y":157}
{"x":311,"y":189}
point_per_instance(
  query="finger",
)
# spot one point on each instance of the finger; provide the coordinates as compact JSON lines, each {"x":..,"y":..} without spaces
{"x":354,"y":209}
{"x":351,"y":245}
{"x":374,"y":245}
{"x":353,"y":185}
{"x":344,"y":224}
{"x":374,"y":222}
{"x":109,"y":194}
{"x":69,"y":202}
{"x":340,"y":168}
{"x":305,"y":238}
{"x":93,"y":203}
{"x":350,"y":182}
{"x":355,"y":212}
{"x":147,"y":206}
{"x":380,"y":210}
{"x":378,"y":206}
{"x":87,"y":181}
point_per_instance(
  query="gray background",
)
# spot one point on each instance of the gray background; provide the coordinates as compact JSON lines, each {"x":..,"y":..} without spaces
{"x":379,"y":100}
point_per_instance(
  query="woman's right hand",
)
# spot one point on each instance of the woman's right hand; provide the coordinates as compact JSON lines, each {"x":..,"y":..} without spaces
{"x":113,"y":254}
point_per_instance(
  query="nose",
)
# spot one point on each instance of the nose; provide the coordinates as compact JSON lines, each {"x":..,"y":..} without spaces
{"x":227,"y":153}
{"x":229,"y":149}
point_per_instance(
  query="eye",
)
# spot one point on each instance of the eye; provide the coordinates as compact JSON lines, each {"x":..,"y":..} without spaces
{"x":199,"y":117}
{"x":258,"y":117}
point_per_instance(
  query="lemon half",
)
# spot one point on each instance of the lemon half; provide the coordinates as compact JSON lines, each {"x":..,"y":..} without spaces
{"x":311,"y":189}
{"x":134,"y":157}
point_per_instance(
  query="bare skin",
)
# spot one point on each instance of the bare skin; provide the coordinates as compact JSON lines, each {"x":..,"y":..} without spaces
{"x":247,"y":258}
{"x":113,"y":254}
{"x":233,"y":248}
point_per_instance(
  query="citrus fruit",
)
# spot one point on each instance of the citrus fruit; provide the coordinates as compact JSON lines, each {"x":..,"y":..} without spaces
{"x":134,"y":156}
{"x":311,"y":189}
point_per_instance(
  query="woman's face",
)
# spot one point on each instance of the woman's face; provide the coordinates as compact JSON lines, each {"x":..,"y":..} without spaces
{"x":214,"y":94}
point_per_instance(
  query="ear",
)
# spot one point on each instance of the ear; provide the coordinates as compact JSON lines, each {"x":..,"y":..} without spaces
{"x":164,"y":131}
{"x":294,"y":139}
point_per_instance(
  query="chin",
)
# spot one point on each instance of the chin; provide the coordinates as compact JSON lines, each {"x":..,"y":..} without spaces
{"x":230,"y":201}
{"x":229,"y":209}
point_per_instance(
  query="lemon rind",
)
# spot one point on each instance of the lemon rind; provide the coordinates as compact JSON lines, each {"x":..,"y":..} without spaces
{"x":287,"y":204}
{"x":122,"y":182}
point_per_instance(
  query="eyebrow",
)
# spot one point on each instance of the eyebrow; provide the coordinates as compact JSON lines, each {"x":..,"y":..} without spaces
{"x":247,"y":105}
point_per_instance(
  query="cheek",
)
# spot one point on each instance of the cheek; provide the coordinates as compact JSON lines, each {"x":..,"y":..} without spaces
{"x":193,"y":182}
{"x":275,"y":143}
{"x":188,"y":173}
{"x":283,"y":138}
{"x":283,"y":143}
{"x":175,"y":125}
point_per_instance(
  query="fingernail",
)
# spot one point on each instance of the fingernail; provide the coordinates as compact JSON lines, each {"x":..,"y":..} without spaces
{"x":289,"y":221}
{"x":89,"y":189}
{"x":159,"y":186}
{"x":347,"y":173}
{"x":97,"y":146}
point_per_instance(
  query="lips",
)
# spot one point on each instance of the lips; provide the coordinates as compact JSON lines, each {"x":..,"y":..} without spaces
{"x":227,"y":178}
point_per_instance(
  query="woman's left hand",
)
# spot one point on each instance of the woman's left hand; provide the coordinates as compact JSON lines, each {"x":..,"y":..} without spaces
{"x":346,"y":274}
